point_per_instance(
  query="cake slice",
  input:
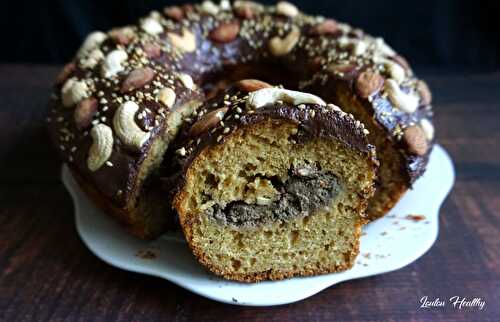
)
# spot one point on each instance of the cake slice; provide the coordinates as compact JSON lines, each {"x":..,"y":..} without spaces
{"x":274,"y":184}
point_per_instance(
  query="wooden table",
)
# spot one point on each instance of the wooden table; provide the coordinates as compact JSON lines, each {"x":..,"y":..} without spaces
{"x":46,"y":273}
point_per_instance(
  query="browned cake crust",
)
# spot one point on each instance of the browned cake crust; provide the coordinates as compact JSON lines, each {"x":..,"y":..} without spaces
{"x":117,"y":106}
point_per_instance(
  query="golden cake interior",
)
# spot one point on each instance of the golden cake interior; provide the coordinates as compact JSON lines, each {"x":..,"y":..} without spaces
{"x":247,"y":169}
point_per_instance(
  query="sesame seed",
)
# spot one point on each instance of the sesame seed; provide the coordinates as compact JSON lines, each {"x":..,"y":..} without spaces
{"x":181,"y":151}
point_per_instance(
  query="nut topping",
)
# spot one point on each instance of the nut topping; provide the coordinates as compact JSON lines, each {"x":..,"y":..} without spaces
{"x":207,"y":122}
{"x":327,"y":27}
{"x":209,"y":7}
{"x":112,"y":64}
{"x":91,"y":59}
{"x":84,"y":112}
{"x":369,"y":83}
{"x":428,"y":128}
{"x":415,"y":139}
{"x":166,"y":96}
{"x":406,"y":102}
{"x":186,"y":80}
{"x":93,"y":40}
{"x":272,"y":95}
{"x":345,"y":70}
{"x":67,"y":70}
{"x":102,"y":146}
{"x":152,"y":50}
{"x":137,"y":79}
{"x":282,"y":46}
{"x":286,"y":9}
{"x":122,"y":36}
{"x":401,"y":61}
{"x":186,"y":42}
{"x":175,"y":13}
{"x":151,"y":26}
{"x":425,"y":93}
{"x":74,"y":91}
{"x":251,"y":85}
{"x":126,"y":128}
{"x":243,"y":9}
{"x":225,"y":32}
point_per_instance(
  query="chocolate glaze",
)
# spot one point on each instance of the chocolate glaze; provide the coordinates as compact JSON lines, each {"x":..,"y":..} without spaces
{"x":313,"y":121}
{"x":309,"y":61}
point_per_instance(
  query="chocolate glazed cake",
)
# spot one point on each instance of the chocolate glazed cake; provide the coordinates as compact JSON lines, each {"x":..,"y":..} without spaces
{"x":273,"y":183}
{"x":117,"y":107}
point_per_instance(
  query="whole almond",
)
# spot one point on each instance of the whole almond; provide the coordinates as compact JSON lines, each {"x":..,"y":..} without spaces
{"x":187,"y":8}
{"x":122,"y":36}
{"x":369,"y":83}
{"x":244,"y":11}
{"x":344,"y":71}
{"x":64,"y":74}
{"x":315,"y":63}
{"x":327,"y":27}
{"x":175,"y":13}
{"x":84,"y":112}
{"x":152,"y":50}
{"x":401,"y":61}
{"x":137,"y":79}
{"x":251,"y":85}
{"x":425,"y":93}
{"x":356,"y":33}
{"x":415,"y":139}
{"x":207,"y":122}
{"x":225,"y":32}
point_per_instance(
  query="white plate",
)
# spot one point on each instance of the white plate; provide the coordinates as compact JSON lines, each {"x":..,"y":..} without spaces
{"x":388,"y":244}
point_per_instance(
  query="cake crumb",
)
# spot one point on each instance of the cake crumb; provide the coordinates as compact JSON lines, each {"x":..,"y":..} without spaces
{"x":146,"y":254}
{"x":415,"y":218}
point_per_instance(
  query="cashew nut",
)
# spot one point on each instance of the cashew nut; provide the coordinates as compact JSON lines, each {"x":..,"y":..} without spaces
{"x":73,"y":91}
{"x":186,"y":42}
{"x":166,"y":96}
{"x":286,"y":9}
{"x":428,"y":129}
{"x":209,"y":7}
{"x":395,"y":71}
{"x":93,"y":40}
{"x":225,"y":5}
{"x":92,"y":59}
{"x":186,"y":80}
{"x":358,"y":47}
{"x":151,"y":26}
{"x":271,"y":95}
{"x":383,"y":48}
{"x":101,"y":148}
{"x":282,"y":46}
{"x":407,"y":102}
{"x":112,"y":64}
{"x":125,"y":127}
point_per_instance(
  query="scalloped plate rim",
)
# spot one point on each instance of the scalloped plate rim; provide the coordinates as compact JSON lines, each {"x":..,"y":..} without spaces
{"x":308,"y":286}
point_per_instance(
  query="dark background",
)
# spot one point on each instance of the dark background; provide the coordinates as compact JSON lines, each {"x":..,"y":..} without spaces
{"x":447,"y":34}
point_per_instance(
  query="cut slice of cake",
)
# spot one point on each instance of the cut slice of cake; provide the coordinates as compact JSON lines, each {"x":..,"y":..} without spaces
{"x":274,"y":184}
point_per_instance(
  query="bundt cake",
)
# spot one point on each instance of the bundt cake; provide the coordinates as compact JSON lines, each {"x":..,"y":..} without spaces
{"x":272,"y":184}
{"x":118,"y":106}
